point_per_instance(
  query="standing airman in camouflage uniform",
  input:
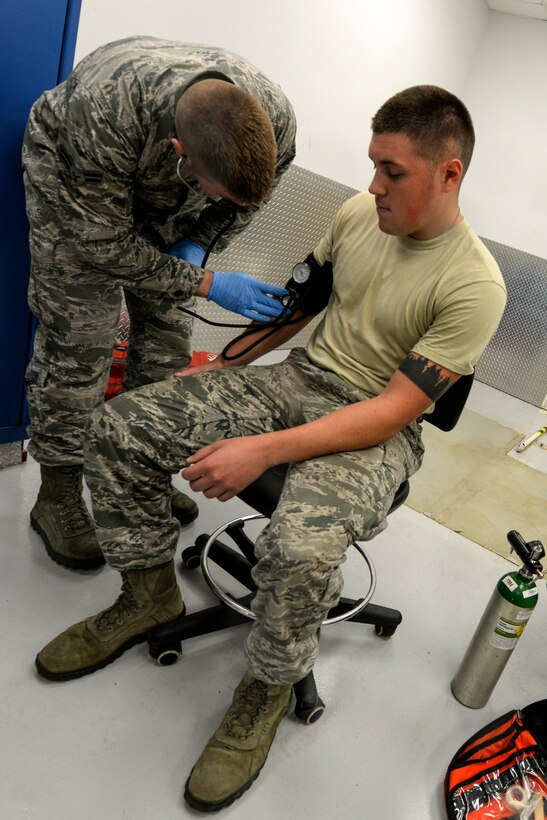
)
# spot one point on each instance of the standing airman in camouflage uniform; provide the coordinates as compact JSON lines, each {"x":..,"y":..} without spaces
{"x":132,"y":167}
{"x":412,"y":298}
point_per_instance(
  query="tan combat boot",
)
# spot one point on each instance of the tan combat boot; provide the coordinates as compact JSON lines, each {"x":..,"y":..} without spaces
{"x":61,"y":518}
{"x":234,"y":756}
{"x":149,"y":597}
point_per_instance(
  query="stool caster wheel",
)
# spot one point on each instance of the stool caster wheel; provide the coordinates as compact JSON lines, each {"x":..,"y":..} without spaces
{"x":169,"y":656}
{"x":165,"y":652}
{"x":384,"y":631}
{"x":308,"y":712}
{"x":191,"y":557}
{"x":164,"y":643}
{"x":309,"y":706}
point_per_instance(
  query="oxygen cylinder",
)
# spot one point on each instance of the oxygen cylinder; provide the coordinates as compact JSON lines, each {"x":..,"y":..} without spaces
{"x":500,"y":627}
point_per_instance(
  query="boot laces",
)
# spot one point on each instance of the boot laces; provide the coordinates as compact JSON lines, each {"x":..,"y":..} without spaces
{"x":249,"y":704}
{"x":123,"y":607}
{"x":71,"y":506}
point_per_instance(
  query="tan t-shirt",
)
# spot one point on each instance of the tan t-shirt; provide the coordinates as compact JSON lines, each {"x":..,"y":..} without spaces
{"x":442,"y":298}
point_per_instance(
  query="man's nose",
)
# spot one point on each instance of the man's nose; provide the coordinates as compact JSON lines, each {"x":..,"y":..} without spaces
{"x":376,"y":187}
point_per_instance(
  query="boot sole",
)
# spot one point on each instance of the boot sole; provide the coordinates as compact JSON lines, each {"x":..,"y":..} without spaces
{"x":142,"y":637}
{"x":202,"y":805}
{"x":66,"y":560}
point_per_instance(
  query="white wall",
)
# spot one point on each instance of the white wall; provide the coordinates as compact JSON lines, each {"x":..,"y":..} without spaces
{"x":506,"y":191}
{"x":338,"y":60}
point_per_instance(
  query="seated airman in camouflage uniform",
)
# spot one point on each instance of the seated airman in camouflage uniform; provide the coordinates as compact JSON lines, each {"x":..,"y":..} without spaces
{"x":413,"y":298}
{"x":132,"y":167}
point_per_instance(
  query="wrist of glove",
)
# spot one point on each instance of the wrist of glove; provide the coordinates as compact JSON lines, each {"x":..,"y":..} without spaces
{"x":188,"y":251}
{"x":242,"y":294}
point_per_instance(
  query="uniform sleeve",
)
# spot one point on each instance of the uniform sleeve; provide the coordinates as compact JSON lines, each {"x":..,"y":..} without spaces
{"x":323,"y":251}
{"x":212,"y":221}
{"x":97,"y":162}
{"x":464,"y":326}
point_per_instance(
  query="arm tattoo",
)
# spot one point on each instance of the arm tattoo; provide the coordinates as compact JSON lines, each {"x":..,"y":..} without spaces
{"x":426,"y":375}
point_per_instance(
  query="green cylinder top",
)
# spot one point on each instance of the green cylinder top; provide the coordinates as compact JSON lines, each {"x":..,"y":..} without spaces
{"x":518,"y":589}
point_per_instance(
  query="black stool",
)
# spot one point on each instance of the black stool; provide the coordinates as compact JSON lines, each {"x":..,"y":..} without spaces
{"x":263,"y":495}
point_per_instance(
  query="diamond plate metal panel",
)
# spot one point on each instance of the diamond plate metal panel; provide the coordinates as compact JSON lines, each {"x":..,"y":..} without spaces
{"x":11,"y":454}
{"x":283,"y":232}
{"x":515,"y":361}
{"x":289,"y":226}
{"x":122,"y":334}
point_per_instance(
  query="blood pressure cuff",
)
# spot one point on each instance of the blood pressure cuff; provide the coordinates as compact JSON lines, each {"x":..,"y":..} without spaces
{"x":312,"y":296}
{"x":501,"y":772}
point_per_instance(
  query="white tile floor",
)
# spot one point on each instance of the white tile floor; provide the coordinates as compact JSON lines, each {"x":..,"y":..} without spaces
{"x":119,"y":744}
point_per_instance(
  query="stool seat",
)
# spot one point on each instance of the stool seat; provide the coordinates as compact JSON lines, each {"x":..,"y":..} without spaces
{"x":264,"y":493}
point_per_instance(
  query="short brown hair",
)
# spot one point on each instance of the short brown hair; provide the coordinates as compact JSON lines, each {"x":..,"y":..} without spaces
{"x":229,"y":137}
{"x":436,"y":121}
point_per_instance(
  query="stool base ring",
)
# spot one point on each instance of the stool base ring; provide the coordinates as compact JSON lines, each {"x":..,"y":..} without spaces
{"x":245,"y":611}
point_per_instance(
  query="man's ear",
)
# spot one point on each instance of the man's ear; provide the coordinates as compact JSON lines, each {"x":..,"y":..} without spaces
{"x":453,"y":173}
{"x":179,"y":147}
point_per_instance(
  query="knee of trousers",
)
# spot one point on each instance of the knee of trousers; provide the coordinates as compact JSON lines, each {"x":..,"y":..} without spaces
{"x":296,"y":578}
{"x":121,"y":445}
{"x":106,"y":436}
{"x":316,"y":546}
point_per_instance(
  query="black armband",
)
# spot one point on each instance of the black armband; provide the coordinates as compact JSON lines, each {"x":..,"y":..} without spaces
{"x":310,"y":286}
{"x":425,"y":374}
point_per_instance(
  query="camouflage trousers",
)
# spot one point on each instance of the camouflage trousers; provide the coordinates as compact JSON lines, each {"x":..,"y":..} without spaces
{"x":139,"y":439}
{"x":78,"y":312}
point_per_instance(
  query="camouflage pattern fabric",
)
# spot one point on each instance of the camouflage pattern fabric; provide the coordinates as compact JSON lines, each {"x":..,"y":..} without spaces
{"x":138,"y":440}
{"x":104,"y":205}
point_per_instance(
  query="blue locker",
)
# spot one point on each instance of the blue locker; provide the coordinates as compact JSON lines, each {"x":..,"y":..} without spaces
{"x":37,"y":53}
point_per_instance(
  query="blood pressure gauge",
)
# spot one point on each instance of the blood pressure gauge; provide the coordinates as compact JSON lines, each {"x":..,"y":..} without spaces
{"x":301,"y":272}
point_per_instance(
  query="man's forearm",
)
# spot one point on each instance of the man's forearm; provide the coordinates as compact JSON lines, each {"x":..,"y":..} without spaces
{"x":355,"y":427}
{"x":262,"y":342}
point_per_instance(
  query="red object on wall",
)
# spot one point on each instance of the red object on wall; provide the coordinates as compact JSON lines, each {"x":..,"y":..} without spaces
{"x":117,"y":370}
{"x":119,"y":359}
{"x":202,"y":357}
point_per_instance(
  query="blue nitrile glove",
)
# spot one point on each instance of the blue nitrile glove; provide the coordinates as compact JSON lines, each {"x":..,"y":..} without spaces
{"x":189,"y":251}
{"x":243,"y":294}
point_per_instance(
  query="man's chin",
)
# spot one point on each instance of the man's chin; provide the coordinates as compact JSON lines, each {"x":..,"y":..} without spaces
{"x":386,"y":228}
{"x":385,"y":221}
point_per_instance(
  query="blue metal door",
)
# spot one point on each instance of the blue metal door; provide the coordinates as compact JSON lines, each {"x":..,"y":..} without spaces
{"x":38,"y":41}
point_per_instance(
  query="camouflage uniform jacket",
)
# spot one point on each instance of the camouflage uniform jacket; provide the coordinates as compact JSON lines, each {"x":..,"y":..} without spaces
{"x":98,"y":154}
